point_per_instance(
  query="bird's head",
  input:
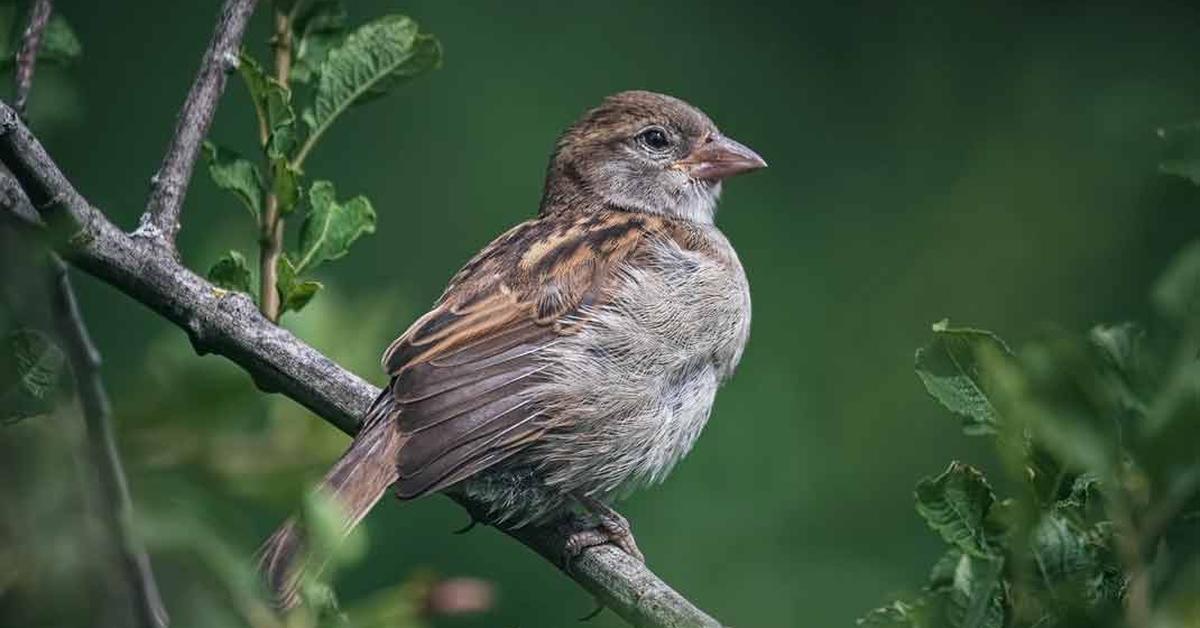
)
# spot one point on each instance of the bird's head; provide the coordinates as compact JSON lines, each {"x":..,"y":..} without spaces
{"x":642,"y":151}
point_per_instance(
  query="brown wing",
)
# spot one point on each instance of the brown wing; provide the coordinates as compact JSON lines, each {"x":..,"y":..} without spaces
{"x":459,"y":373}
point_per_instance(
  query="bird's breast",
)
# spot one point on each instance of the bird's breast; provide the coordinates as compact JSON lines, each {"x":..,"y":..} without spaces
{"x":635,"y":386}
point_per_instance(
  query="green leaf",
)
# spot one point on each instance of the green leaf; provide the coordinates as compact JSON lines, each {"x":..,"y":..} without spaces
{"x":976,"y":594}
{"x":320,"y":27}
{"x":230,"y":171}
{"x":331,"y":227}
{"x":294,"y":294}
{"x":1060,"y":549}
{"x":955,"y":504}
{"x":273,"y":106}
{"x":1182,"y":151}
{"x":374,"y":58}
{"x":300,"y":294}
{"x":1176,"y":294}
{"x":285,"y":184}
{"x":59,"y":43}
{"x":30,"y":370}
{"x":950,"y":367}
{"x":1085,"y":492}
{"x":231,"y":273}
{"x":898,"y":614}
{"x":941,"y":576}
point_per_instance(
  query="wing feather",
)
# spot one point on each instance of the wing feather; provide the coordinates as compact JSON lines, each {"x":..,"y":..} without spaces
{"x":462,"y":374}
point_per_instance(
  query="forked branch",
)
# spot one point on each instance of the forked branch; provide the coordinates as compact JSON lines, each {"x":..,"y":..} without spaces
{"x":169,"y":185}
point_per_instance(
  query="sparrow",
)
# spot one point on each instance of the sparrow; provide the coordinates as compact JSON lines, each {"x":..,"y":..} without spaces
{"x":578,"y":355}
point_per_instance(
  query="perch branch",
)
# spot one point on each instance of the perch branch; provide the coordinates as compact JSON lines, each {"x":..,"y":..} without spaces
{"x":228,"y":324}
{"x":169,"y":184}
{"x":102,"y":448}
{"x":39,"y":16}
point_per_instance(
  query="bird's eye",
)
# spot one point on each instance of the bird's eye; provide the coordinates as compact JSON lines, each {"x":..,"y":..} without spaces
{"x":655,"y":139}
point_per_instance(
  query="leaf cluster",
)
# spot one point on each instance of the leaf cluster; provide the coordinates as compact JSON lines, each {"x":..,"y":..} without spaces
{"x":334,"y":69}
{"x":1099,"y":436}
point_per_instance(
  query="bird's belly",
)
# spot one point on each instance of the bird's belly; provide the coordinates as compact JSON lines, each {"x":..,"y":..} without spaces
{"x":632,"y":393}
{"x":625,"y":398}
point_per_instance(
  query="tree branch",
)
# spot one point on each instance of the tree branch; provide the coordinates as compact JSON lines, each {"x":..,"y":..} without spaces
{"x":102,"y":448}
{"x":228,"y":324}
{"x":39,"y":16}
{"x":169,"y":185}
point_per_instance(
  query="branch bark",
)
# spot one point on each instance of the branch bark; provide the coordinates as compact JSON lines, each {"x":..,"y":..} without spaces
{"x":168,"y":187}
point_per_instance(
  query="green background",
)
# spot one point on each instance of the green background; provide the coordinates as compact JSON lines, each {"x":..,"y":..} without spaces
{"x":994,"y":163}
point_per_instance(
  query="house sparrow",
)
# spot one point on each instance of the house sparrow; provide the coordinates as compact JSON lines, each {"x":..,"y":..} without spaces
{"x":576,"y":356}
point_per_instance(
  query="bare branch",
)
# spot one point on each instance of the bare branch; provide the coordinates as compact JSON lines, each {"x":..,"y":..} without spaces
{"x":102,"y":448}
{"x":39,"y":16}
{"x":228,"y":324}
{"x":169,"y":185}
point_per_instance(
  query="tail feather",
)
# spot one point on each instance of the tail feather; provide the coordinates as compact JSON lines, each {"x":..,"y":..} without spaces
{"x":357,"y":481}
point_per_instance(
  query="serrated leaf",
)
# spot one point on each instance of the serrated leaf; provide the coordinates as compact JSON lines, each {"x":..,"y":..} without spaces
{"x":285,"y":184}
{"x":1060,"y":549}
{"x":374,"y":58}
{"x":30,"y":372}
{"x":320,"y":27}
{"x":950,"y":366}
{"x":955,"y":504}
{"x":331,"y":227}
{"x":1182,"y":151}
{"x":273,"y":106}
{"x":294,"y":293}
{"x":231,"y":273}
{"x":232,"y":172}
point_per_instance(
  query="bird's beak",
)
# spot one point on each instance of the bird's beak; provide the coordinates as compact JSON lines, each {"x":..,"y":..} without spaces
{"x":719,"y":157}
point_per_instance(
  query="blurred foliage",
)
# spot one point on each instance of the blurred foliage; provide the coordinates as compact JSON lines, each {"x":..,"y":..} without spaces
{"x":1100,"y":435}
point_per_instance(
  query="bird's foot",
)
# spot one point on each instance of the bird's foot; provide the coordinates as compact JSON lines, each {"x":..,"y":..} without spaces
{"x":611,"y":528}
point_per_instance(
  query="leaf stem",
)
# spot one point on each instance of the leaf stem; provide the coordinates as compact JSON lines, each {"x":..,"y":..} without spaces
{"x":272,"y":223}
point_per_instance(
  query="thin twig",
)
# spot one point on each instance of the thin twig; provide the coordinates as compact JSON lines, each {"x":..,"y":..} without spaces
{"x":102,"y":448}
{"x":31,"y":41}
{"x":270,"y":240}
{"x":229,"y":324}
{"x":84,"y":359}
{"x":169,"y":185}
